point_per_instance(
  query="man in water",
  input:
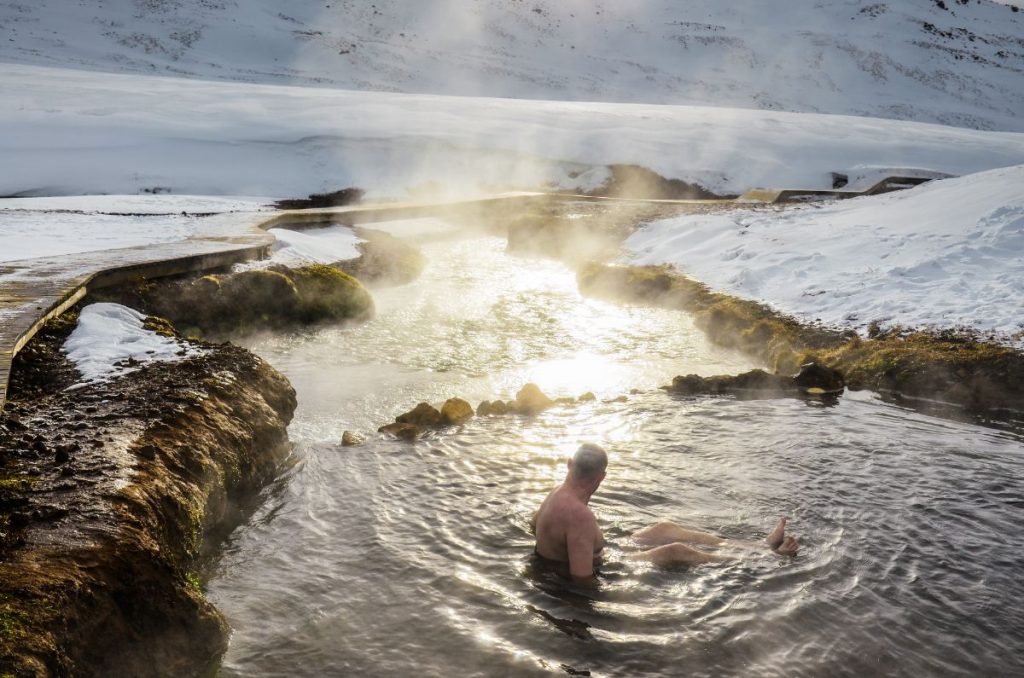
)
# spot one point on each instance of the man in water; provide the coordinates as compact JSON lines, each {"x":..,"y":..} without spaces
{"x":567,"y":531}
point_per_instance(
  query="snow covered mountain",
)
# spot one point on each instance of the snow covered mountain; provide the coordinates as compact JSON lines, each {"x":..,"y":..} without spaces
{"x":956,"y":62}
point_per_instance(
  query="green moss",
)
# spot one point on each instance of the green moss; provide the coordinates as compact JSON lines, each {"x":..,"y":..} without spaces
{"x":12,"y":622}
{"x":326,"y":293}
{"x":17,"y":483}
{"x":194,"y":531}
{"x":193,"y":581}
{"x":63,"y":323}
{"x":161,"y":326}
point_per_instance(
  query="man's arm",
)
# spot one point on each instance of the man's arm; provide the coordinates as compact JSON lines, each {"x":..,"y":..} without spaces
{"x":580,"y":544}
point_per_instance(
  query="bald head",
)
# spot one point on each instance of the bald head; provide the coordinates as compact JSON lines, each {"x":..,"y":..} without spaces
{"x":589,"y":463}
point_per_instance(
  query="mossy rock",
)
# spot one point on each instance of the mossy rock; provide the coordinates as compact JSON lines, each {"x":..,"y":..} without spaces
{"x":326,"y":293}
{"x":257,"y":296}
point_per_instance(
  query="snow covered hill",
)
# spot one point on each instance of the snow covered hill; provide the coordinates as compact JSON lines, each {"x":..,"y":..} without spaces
{"x":956,"y":62}
{"x":71,"y":132}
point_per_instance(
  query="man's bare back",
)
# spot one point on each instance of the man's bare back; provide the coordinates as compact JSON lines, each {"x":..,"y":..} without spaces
{"x":559,"y":517}
{"x":566,"y":529}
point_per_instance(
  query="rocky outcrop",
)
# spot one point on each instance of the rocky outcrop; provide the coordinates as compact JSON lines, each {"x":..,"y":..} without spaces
{"x":110,"y":493}
{"x":812,"y":380}
{"x":635,"y":181}
{"x":423,"y":415}
{"x":248,"y":301}
{"x":409,"y":425}
{"x":384,"y":259}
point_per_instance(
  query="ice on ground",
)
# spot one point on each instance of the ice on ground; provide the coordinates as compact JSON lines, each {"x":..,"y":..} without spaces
{"x":943,"y":255}
{"x":107,"y":335}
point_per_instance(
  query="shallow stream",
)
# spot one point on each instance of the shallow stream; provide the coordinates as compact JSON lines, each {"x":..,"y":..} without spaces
{"x":414,"y":559}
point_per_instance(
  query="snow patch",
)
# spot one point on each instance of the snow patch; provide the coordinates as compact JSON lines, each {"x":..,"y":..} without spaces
{"x":314,"y":246}
{"x":109,"y":335}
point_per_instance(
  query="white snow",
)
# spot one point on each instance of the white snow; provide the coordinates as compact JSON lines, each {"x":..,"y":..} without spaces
{"x":337,"y":242}
{"x":45,"y":234}
{"x":46,"y":227}
{"x":73,"y":132}
{"x":311,"y":246}
{"x":904,"y":59}
{"x":943,"y":255}
{"x":108,"y":334}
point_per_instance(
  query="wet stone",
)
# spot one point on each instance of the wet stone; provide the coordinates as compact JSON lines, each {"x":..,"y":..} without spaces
{"x":400,"y":430}
{"x":455,"y":411}
{"x":351,"y":439}
{"x":531,"y":400}
{"x":424,"y":415}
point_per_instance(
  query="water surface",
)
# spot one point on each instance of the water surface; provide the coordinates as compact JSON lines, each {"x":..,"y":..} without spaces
{"x":396,"y":559}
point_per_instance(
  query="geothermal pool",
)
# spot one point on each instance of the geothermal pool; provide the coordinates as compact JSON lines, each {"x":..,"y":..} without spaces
{"x":414,"y":559}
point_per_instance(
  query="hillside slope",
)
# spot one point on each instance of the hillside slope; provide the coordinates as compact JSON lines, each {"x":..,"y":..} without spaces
{"x":955,"y":62}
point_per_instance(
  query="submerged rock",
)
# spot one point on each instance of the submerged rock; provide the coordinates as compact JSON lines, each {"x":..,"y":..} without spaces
{"x":351,"y":439}
{"x":587,"y":397}
{"x":492,"y":408}
{"x":401,"y":430}
{"x":455,"y":411}
{"x":424,"y":415}
{"x":812,"y":379}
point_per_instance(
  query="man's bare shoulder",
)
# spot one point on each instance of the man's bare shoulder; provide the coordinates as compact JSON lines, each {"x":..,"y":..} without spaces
{"x":579,"y":513}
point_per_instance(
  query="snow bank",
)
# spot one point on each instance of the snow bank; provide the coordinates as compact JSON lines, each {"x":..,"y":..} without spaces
{"x":54,"y":226}
{"x":313,"y":246}
{"x":78,"y":132}
{"x":110,"y":333}
{"x":945,"y":254}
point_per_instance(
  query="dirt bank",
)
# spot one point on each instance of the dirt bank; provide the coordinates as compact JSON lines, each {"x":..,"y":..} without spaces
{"x":109,"y":493}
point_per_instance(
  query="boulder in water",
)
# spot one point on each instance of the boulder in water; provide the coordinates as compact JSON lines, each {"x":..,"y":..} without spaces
{"x":401,"y":430}
{"x":587,"y":397}
{"x":455,"y":411}
{"x":494,"y":408}
{"x":424,"y":415}
{"x":351,"y":439}
{"x":531,"y":400}
{"x":814,"y":378}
